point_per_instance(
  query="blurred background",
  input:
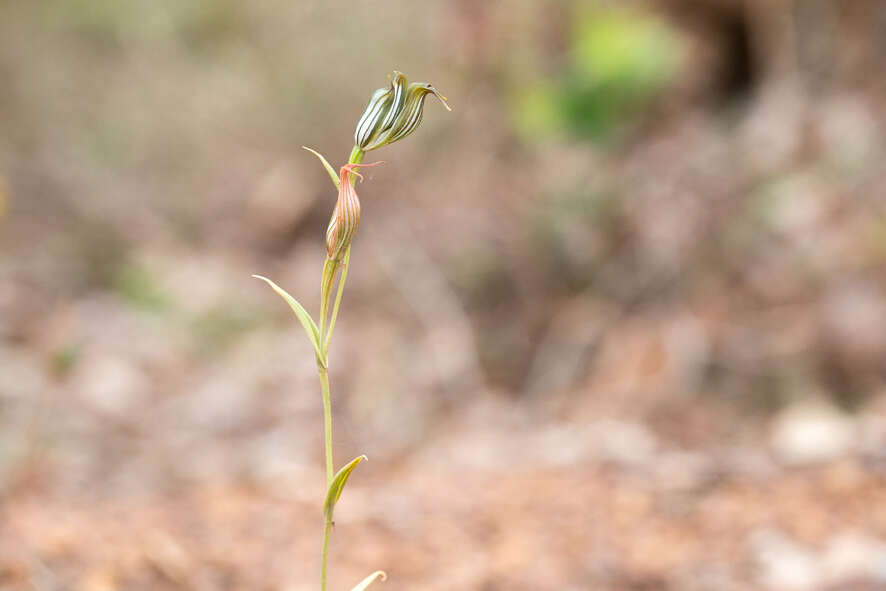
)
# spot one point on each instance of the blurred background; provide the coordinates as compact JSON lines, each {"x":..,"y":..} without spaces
{"x":618,"y":321}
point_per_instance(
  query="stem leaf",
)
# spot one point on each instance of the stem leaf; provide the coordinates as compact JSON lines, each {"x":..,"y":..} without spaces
{"x":326,"y":165}
{"x":306,"y":321}
{"x":338,"y":484}
{"x":364,"y":584}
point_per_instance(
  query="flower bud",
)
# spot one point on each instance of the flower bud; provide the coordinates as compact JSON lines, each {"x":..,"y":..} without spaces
{"x":346,"y":215}
{"x":393,"y":113}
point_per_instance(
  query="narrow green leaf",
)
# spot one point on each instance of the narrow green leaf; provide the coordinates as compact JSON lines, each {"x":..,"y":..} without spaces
{"x":364,"y":584}
{"x":326,"y":164}
{"x":338,"y":484}
{"x":306,"y":321}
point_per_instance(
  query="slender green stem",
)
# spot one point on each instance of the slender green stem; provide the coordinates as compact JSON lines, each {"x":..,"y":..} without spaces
{"x":327,"y":428}
{"x":356,"y":156}
{"x":330,"y":268}
{"x":335,"y":306}
{"x":325,"y":555}
{"x":327,"y":420}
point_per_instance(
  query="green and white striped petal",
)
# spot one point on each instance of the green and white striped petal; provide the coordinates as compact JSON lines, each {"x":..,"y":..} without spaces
{"x":399,"y":86}
{"x":370,"y":122}
{"x":393,"y":113}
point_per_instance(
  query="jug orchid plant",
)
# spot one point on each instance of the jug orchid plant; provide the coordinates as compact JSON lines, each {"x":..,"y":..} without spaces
{"x":393,"y":112}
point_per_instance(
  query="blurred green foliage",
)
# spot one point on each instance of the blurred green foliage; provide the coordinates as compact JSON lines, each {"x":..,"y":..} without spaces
{"x":222,"y":325}
{"x":137,"y":286}
{"x":110,"y":22}
{"x":619,"y":60}
{"x":577,"y":230}
{"x":64,"y":359}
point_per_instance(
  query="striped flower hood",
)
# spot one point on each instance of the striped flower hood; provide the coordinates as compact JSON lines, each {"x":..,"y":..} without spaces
{"x":346,"y":215}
